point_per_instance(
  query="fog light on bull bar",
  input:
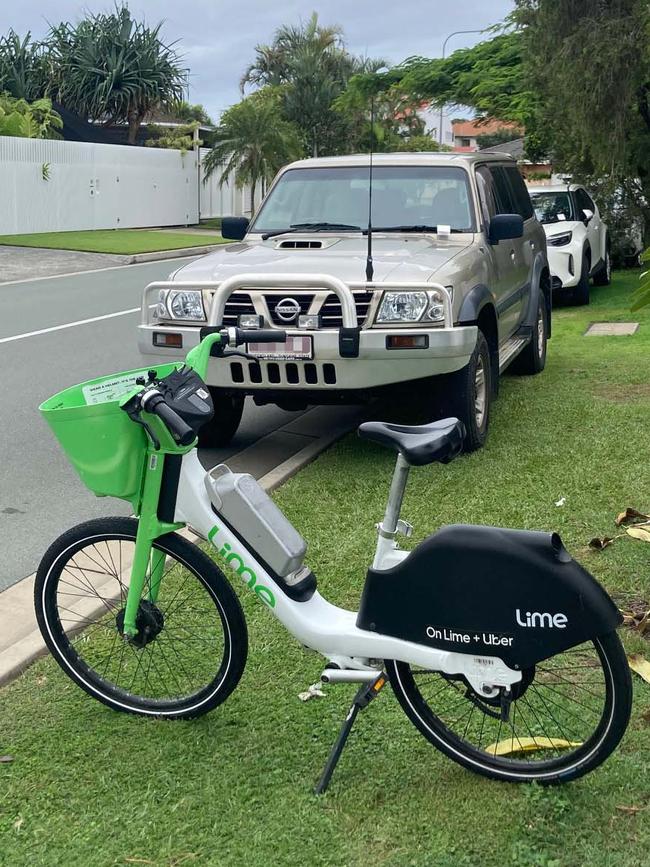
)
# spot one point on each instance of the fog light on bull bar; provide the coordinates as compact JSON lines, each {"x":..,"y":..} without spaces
{"x":250,"y":320}
{"x":407,"y":341}
{"x":164,"y":338}
{"x":309,"y":321}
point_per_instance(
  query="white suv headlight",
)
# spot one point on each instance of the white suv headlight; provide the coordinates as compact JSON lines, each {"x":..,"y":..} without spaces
{"x":180,"y":304}
{"x":405,"y":306}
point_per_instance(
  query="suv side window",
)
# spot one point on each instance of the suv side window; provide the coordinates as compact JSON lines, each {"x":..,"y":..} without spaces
{"x":583,"y":201}
{"x":505,"y":200}
{"x":519,"y":191}
{"x":486,"y":194}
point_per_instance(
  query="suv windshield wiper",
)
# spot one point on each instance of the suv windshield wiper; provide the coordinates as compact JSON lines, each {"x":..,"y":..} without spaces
{"x":414,"y":228}
{"x":312,"y":227}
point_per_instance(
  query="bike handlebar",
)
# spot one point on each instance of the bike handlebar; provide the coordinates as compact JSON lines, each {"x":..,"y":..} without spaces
{"x":260,"y":335}
{"x":181,"y":432}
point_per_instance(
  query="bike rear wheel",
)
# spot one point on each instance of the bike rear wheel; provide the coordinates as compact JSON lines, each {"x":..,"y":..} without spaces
{"x":567,"y":717}
{"x":191,"y":646}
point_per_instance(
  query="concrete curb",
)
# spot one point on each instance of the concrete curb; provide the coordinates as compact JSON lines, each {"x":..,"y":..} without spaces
{"x":137,"y":258}
{"x":16,"y":603}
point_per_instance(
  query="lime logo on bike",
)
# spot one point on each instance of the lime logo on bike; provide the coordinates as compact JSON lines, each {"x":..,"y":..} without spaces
{"x":236,"y":562}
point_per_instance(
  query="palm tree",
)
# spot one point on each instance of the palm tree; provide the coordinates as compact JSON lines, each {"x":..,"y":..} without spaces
{"x":273,"y":63}
{"x":313,"y":66}
{"x":109,"y":67}
{"x":23,"y":67}
{"x":252,"y":141}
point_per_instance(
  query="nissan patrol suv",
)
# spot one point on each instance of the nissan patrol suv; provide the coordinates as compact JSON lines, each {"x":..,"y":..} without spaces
{"x":451,"y":287}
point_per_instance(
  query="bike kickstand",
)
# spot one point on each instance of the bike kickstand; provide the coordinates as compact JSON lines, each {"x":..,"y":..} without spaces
{"x":365,"y":694}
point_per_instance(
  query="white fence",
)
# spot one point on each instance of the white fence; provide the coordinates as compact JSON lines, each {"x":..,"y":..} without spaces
{"x":48,"y":186}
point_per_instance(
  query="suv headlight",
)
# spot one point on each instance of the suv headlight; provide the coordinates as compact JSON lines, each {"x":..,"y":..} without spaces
{"x":406,"y":306}
{"x":560,"y":240}
{"x":180,"y":304}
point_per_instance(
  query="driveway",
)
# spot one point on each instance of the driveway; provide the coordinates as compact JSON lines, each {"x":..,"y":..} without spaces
{"x":28,"y":263}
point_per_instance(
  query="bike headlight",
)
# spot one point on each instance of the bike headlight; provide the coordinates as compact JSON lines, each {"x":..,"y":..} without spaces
{"x":560,"y":240}
{"x":183,"y":304}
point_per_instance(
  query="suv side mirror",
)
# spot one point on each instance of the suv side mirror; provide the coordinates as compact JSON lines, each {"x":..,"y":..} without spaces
{"x":587,"y":215}
{"x":503,"y":227}
{"x":234,"y":228}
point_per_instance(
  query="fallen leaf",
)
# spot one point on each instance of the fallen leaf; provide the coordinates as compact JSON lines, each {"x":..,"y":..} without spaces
{"x":18,"y":823}
{"x":314,"y":691}
{"x":645,"y":716}
{"x":601,"y":544}
{"x":630,"y":515}
{"x":641,"y":533}
{"x":640,"y":665}
{"x":528,"y":745}
{"x":6,"y":759}
{"x":561,"y":501}
{"x":631,"y":810}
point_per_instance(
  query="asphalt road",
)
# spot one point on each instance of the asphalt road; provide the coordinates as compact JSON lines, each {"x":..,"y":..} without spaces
{"x":40,"y":494}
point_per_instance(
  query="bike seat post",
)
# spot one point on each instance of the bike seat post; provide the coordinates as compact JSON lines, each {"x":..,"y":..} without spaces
{"x":388,"y":527}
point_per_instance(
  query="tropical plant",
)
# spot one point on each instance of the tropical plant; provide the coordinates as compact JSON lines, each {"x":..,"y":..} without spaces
{"x":111,"y":68}
{"x":23,"y":66}
{"x":28,"y":120}
{"x":588,"y":62}
{"x":253,"y":141}
{"x":175,"y":137}
{"x":311,"y":64}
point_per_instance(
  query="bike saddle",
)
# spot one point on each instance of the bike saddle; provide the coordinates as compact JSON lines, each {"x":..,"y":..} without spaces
{"x":440,"y":441}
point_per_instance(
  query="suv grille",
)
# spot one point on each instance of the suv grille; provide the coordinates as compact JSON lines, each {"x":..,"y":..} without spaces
{"x":332,"y":315}
{"x":238,"y":303}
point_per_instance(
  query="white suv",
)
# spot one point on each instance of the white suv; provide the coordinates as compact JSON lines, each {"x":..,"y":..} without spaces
{"x":576,"y":237}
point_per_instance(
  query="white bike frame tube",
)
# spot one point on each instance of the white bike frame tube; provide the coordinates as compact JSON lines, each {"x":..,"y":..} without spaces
{"x":317,"y":624}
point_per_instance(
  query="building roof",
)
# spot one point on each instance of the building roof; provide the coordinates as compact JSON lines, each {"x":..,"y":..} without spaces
{"x":473,"y":128}
{"x":514,"y":148}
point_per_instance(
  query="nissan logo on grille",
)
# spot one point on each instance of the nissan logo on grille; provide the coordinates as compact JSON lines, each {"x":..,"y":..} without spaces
{"x":287,"y":309}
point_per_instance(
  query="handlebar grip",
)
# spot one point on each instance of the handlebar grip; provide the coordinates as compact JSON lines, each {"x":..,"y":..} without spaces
{"x":261,"y":335}
{"x":181,"y":432}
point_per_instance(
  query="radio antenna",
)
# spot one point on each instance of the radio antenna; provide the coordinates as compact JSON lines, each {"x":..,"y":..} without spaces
{"x":370,"y":269}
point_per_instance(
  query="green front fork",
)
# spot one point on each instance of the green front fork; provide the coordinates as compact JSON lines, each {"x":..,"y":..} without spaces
{"x":148,"y":563}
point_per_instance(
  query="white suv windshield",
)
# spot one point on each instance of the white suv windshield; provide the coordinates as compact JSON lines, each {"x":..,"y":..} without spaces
{"x":408,"y":197}
{"x":552,"y":207}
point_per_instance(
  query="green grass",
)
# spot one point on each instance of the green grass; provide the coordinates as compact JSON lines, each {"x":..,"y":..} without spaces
{"x":122,"y":241}
{"x":91,"y":787}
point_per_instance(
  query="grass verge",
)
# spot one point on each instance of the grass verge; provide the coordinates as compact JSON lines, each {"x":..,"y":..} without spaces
{"x":91,"y":787}
{"x":121,"y":241}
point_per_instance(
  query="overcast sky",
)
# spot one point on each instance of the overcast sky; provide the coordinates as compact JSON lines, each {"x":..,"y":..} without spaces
{"x":217,"y":39}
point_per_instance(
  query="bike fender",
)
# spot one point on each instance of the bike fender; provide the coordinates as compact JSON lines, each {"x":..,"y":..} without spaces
{"x":514,"y":594}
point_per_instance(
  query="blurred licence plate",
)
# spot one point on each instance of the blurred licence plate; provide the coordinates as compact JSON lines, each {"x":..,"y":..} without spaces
{"x":297,"y":346}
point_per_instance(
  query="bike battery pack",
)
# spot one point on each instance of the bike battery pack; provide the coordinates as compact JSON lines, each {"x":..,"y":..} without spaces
{"x":252,"y":515}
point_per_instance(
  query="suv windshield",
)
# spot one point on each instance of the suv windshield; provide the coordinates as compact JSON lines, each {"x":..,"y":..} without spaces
{"x":402,"y":197}
{"x":552,"y":207}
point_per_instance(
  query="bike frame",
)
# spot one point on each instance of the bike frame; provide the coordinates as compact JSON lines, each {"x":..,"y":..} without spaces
{"x":315,"y":623}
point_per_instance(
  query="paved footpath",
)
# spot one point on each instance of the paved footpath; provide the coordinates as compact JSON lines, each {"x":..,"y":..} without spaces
{"x":60,"y":331}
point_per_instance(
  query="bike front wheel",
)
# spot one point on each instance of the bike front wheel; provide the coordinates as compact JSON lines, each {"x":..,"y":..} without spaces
{"x":566,"y":717}
{"x":190,"y":649}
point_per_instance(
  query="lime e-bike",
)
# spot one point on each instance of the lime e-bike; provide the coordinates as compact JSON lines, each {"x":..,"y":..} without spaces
{"x":500,"y":648}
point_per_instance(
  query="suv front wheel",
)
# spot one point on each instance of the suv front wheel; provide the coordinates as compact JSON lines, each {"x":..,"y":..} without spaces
{"x":468,"y":395}
{"x":223,"y":425}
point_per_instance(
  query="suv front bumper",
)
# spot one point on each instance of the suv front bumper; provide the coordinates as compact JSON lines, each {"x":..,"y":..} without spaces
{"x":448,"y":347}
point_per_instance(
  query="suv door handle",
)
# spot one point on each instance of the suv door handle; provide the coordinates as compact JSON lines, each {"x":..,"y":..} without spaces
{"x":512,"y":255}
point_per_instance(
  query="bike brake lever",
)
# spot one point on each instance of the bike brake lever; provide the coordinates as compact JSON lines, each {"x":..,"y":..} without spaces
{"x":241,"y":354}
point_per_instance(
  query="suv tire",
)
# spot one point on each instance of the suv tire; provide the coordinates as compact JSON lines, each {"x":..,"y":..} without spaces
{"x":604,"y":276}
{"x":222,"y":427}
{"x":468,"y":395}
{"x":581,"y":290}
{"x":532,"y":358}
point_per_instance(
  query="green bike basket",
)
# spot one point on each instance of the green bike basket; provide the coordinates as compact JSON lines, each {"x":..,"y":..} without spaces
{"x":104,"y":446}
